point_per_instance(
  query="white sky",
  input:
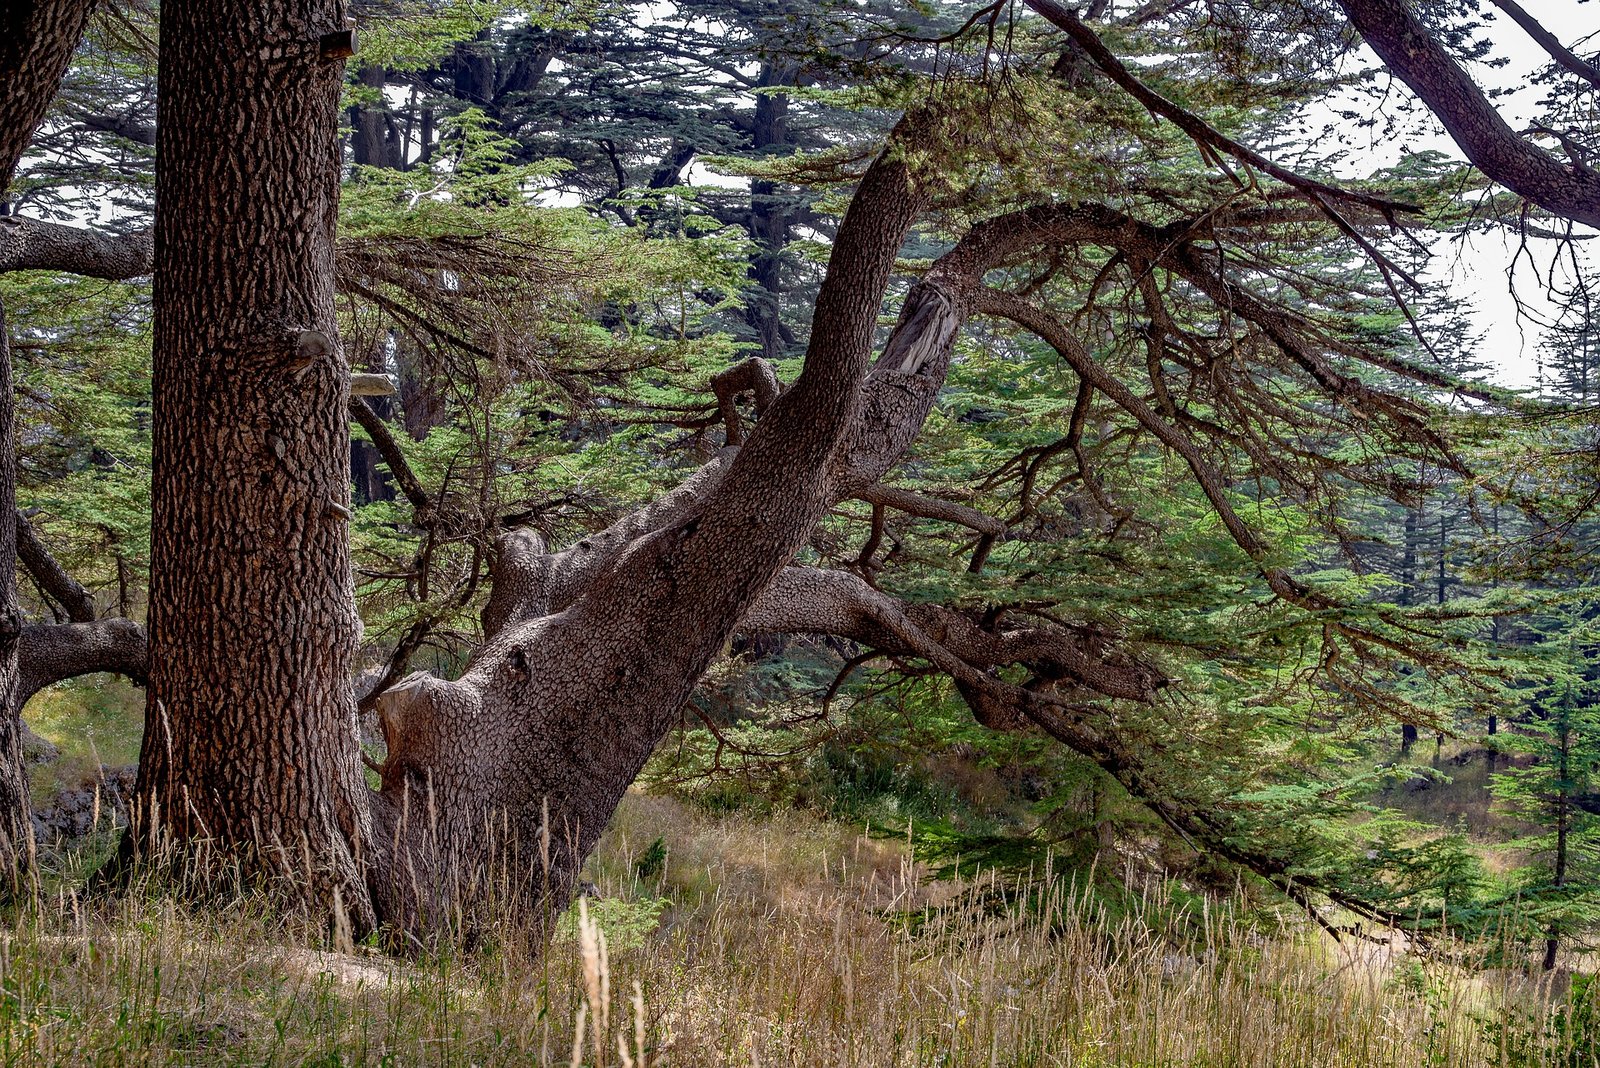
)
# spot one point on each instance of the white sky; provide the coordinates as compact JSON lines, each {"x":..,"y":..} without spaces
{"x":1476,"y":266}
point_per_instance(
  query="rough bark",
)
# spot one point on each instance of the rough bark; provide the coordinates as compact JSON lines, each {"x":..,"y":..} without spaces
{"x":557,"y":713}
{"x":36,"y":41}
{"x":251,"y":742}
{"x":37,"y":38}
{"x":16,"y":827}
{"x":51,"y":652}
{"x":1570,"y":190}
{"x":36,"y":245}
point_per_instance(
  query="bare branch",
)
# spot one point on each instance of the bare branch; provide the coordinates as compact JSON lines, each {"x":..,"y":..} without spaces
{"x":1202,"y":132}
{"x":755,"y":376}
{"x":1406,"y":47}
{"x":917,"y":504}
{"x":1550,"y":42}
{"x":388,"y":448}
{"x":52,"y":578}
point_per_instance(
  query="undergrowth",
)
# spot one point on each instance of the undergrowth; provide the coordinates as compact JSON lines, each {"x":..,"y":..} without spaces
{"x":732,"y":941}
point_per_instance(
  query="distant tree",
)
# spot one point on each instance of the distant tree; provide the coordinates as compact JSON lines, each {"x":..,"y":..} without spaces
{"x":1555,"y":891}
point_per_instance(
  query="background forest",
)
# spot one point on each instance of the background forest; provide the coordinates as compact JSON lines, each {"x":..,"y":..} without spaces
{"x":1208,"y":678}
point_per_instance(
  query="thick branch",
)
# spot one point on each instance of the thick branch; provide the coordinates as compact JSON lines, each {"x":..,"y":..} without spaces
{"x":1407,"y":48}
{"x":52,"y":578}
{"x":808,"y":600}
{"x":37,"y":39}
{"x":49,"y":653}
{"x":36,"y":245}
{"x":142,"y":133}
{"x":529,"y":581}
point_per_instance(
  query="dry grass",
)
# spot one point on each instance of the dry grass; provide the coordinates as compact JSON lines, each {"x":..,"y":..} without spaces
{"x":784,"y":942}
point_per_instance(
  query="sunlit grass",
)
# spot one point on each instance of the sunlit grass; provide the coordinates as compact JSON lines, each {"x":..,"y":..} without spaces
{"x":740,"y":942}
{"x":96,"y":721}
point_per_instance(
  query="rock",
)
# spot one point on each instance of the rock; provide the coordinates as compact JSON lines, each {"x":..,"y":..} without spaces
{"x":37,"y":750}
{"x":76,"y":811}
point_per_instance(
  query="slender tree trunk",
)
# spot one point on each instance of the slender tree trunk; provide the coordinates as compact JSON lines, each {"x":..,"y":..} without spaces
{"x":769,"y":218}
{"x":1552,"y":943}
{"x":372,"y":145}
{"x":251,"y":740}
{"x":1408,"y":585}
{"x":370,"y":142}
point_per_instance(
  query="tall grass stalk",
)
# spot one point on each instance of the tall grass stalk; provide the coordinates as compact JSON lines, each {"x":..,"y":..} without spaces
{"x":782,"y":942}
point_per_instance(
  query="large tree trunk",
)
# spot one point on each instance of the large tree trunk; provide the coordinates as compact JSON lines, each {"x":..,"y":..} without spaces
{"x":15,"y":807}
{"x":503,"y":780}
{"x":37,"y":40}
{"x":251,"y":741}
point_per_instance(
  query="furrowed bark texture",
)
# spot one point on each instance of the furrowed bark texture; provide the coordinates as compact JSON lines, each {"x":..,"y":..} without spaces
{"x":558,"y":712}
{"x":251,"y":738}
{"x":592,"y":649}
{"x":36,"y":41}
{"x":15,"y":805}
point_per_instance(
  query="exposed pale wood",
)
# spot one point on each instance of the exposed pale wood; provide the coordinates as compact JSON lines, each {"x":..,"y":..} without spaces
{"x":363,"y":384}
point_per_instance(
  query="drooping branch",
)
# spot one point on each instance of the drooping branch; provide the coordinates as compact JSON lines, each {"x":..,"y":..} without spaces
{"x":1173,"y":246}
{"x":1550,"y":42}
{"x":52,"y":578}
{"x":1203,"y":133}
{"x":1406,"y":47}
{"x":925,"y":507}
{"x":1070,"y":669}
{"x":384,"y":441}
{"x":814,"y":600}
{"x":1050,"y":329}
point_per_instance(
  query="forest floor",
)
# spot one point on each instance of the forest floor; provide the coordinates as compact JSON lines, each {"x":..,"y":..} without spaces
{"x":729,"y":940}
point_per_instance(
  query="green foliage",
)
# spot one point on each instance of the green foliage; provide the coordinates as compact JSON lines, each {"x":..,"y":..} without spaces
{"x":552,"y":283}
{"x":81,"y":359}
{"x":626,"y":923}
{"x":1555,"y":887}
{"x":1565,"y":1034}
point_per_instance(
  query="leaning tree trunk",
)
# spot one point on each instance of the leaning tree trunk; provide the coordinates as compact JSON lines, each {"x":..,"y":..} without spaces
{"x":498,"y":785}
{"x":250,"y":739}
{"x":37,"y":40}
